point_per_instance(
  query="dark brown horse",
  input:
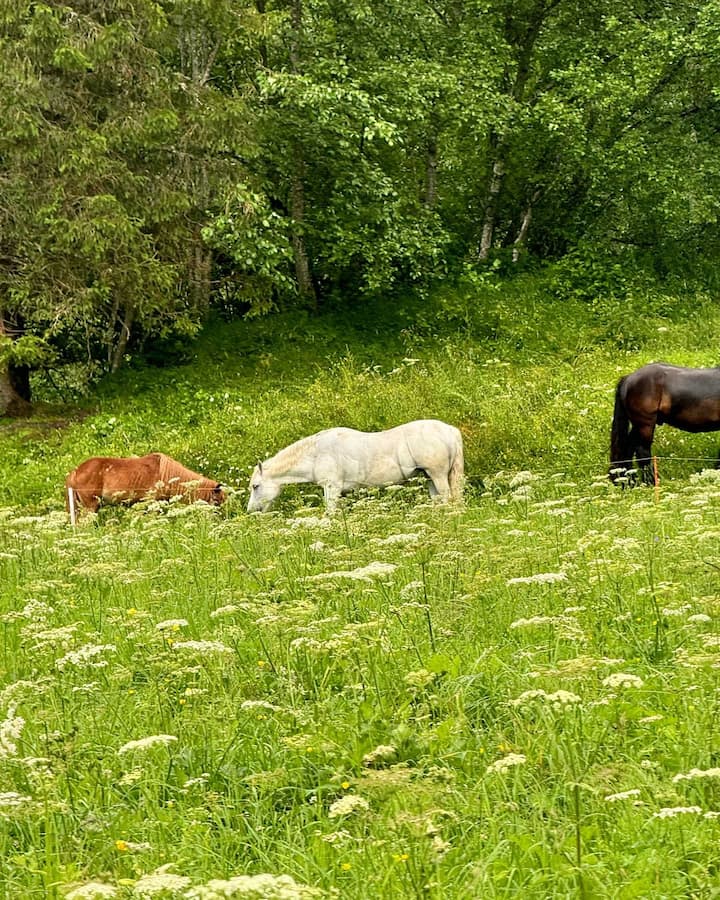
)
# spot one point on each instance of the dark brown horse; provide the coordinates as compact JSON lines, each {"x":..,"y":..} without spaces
{"x":114,"y":479}
{"x":660,"y":394}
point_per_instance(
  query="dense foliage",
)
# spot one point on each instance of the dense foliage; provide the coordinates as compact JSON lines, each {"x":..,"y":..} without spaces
{"x":160,"y":158}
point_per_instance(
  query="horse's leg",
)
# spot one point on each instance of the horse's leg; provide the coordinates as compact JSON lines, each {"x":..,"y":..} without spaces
{"x":332,"y":495}
{"x":439,"y":485}
{"x":641,"y":438}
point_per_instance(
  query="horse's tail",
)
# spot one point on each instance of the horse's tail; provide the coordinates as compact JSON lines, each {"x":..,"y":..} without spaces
{"x":620,"y":447}
{"x":457,"y":471}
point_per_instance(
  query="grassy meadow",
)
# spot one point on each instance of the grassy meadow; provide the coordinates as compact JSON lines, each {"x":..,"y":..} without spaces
{"x":518,"y":697}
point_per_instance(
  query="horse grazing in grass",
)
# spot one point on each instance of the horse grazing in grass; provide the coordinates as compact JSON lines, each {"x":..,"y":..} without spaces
{"x":342,"y":459}
{"x":116,"y":479}
{"x":660,"y":394}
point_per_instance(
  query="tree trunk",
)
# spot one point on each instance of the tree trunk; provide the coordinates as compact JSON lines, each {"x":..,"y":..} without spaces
{"x":431,"y":174}
{"x":302,"y":263}
{"x":14,"y":380}
{"x":11,"y":403}
{"x":123,"y":339}
{"x":519,"y":241}
{"x":522,"y":34}
{"x":496,"y":179}
{"x":200,"y":265}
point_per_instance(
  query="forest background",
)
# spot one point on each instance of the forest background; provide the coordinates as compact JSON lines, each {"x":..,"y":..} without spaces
{"x":167,"y":162}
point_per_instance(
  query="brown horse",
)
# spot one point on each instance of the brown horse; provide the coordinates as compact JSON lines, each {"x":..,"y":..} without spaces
{"x":660,"y":394}
{"x":113,"y":479}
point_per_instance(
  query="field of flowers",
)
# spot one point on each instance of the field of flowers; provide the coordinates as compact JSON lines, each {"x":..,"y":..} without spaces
{"x":514,"y":698}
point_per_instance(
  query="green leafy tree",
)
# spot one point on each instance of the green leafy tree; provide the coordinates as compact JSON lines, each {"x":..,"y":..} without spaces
{"x":113,"y":144}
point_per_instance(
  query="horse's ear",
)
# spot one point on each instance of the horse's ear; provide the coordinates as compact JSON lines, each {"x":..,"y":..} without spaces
{"x":218,"y":488}
{"x":259,"y":467}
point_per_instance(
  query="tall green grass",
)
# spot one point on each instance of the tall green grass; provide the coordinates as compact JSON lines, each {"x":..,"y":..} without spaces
{"x":516,"y":697}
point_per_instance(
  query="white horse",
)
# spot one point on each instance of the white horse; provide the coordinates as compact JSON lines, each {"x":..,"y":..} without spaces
{"x":342,"y":459}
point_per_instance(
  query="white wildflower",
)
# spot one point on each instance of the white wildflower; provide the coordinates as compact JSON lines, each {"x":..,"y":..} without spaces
{"x":696,"y":773}
{"x":87,"y":656}
{"x":171,"y":625}
{"x":533,"y":620}
{"x":699,"y":619}
{"x":506,"y":762}
{"x":198,"y":781}
{"x":669,"y":812}
{"x":92,"y":890}
{"x":310,"y":522}
{"x":540,"y":578}
{"x":154,"y":740}
{"x":418,"y":680}
{"x":260,"y":887}
{"x":337,"y":837}
{"x":396,"y":539}
{"x":675,"y":611}
{"x":11,"y":800}
{"x":159,"y":882}
{"x":521,"y":478}
{"x":10,"y":730}
{"x":381,"y":754}
{"x":226,"y":610}
{"x":648,"y":720}
{"x":410,"y":589}
{"x":528,"y":696}
{"x":622,"y":795}
{"x":622,"y":680}
{"x":260,"y":704}
{"x":345,"y":806}
{"x":364,"y":573}
{"x":558,"y":699}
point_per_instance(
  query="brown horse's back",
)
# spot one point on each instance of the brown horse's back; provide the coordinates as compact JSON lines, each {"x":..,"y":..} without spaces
{"x":660,"y":393}
{"x":129,"y":479}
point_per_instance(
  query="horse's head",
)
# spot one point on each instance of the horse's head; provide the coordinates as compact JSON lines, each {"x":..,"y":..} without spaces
{"x":263,"y":490}
{"x":218,"y":495}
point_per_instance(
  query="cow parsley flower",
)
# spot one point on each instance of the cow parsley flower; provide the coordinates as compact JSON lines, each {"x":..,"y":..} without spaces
{"x":160,"y":881}
{"x":260,"y":704}
{"x":670,"y":812}
{"x":154,"y":740}
{"x":171,"y":625}
{"x":10,"y":731}
{"x":87,"y":656}
{"x":11,"y":800}
{"x":92,"y":890}
{"x":696,"y":773}
{"x":226,"y":610}
{"x":505,"y":763}
{"x":558,"y":699}
{"x":347,"y":805}
{"x":381,"y":754}
{"x":261,"y":887}
{"x":540,"y":578}
{"x":364,"y":573}
{"x":622,"y":795}
{"x":532,"y":621}
{"x":622,"y":680}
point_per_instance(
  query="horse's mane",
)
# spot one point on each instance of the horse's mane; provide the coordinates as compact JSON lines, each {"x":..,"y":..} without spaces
{"x":171,"y":469}
{"x":291,"y":454}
